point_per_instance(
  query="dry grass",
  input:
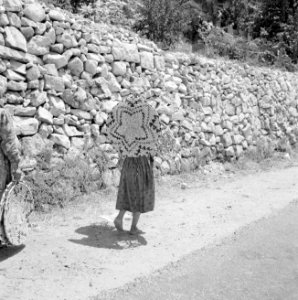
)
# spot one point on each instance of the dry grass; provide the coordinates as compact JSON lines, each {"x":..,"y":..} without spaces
{"x":58,"y":183}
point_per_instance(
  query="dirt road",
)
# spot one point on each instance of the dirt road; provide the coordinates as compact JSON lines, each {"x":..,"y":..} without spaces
{"x":75,"y":253}
{"x":260,"y":262}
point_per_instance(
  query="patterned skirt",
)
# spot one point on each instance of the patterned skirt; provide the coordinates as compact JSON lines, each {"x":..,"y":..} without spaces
{"x":136,"y":191}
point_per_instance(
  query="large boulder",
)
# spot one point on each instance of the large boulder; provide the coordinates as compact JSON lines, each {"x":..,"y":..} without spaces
{"x":15,"y":39}
{"x":39,"y":45}
{"x":58,"y":60}
{"x":25,"y":126}
{"x":35,"y":12}
{"x":12,"y":5}
{"x":125,"y":52}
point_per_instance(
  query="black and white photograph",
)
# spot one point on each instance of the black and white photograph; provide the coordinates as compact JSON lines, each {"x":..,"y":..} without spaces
{"x":148,"y":149}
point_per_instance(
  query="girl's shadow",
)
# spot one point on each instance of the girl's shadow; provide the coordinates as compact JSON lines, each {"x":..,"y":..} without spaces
{"x":105,"y":236}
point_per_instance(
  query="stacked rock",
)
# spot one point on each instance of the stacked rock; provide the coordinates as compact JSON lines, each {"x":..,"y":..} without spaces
{"x":61,"y":75}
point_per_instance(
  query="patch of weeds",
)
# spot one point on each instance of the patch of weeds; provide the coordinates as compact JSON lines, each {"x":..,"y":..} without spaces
{"x":265,"y":154}
{"x":57,"y":181}
{"x":264,"y":149}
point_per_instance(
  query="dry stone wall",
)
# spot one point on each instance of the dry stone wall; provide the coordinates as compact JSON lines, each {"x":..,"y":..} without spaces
{"x":60,"y":76}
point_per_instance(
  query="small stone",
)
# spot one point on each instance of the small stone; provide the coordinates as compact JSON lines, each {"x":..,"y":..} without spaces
{"x":2,"y":40}
{"x":51,"y":69}
{"x":230,"y":152}
{"x":57,"y":48}
{"x":44,"y":115}
{"x":17,"y":86}
{"x":45,"y":130}
{"x":18,"y":67}
{"x":107,"y":106}
{"x":119,"y":68}
{"x":3,"y":20}
{"x":171,"y":86}
{"x":24,"y":111}
{"x":12,"y":75}
{"x":56,"y":15}
{"x":33,"y":145}
{"x":165,"y":167}
{"x":3,"y":85}
{"x":38,"y":98}
{"x":72,"y":131}
{"x":28,"y":32}
{"x":91,"y":66}
{"x":41,"y":28}
{"x":227,"y":139}
{"x":33,"y":84}
{"x":33,"y":73}
{"x":183,"y":186}
{"x":3,"y":66}
{"x":76,"y":66}
{"x":14,"y":20}
{"x":54,"y":83}
{"x":60,"y":140}
{"x":82,"y":114}
{"x":68,"y":40}
{"x":25,"y":22}
{"x":147,"y":61}
{"x":57,"y":59}
{"x":100,"y":118}
{"x":159,"y":62}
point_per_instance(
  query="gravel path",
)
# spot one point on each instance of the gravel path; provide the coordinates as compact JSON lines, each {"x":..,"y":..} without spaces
{"x":260,"y":262}
{"x":75,"y":253}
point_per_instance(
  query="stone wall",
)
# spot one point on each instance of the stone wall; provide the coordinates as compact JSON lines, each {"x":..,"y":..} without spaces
{"x":60,"y":76}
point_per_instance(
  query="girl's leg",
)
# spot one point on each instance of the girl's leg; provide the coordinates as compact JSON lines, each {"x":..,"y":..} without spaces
{"x":135,"y":218}
{"x":118,"y":222}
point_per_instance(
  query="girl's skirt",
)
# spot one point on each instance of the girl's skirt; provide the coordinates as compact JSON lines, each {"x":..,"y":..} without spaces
{"x":136,"y":191}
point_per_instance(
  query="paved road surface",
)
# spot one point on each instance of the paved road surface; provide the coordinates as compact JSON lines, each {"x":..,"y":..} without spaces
{"x":260,"y":262}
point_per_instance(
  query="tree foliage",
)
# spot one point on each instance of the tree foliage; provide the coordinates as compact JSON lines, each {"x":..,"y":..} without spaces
{"x":70,"y":5}
{"x":271,"y":24}
{"x":162,"y":20}
{"x":278,"y":23}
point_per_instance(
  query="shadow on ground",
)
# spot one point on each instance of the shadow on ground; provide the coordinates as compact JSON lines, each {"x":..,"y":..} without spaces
{"x":8,"y":251}
{"x":104,"y":236}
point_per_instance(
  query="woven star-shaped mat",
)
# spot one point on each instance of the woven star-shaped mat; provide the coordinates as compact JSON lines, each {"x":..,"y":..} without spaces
{"x":133,"y":128}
